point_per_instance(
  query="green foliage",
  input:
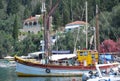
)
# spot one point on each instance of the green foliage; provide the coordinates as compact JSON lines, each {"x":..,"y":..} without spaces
{"x":57,"y":20}
{"x":41,"y":20}
{"x":66,"y":41}
{"x":15,"y":29}
{"x":26,"y":13}
{"x":12,"y":7}
{"x":37,"y":9}
{"x":67,"y":11}
{"x":6,"y":47}
{"x":6,"y":25}
{"x":1,"y":4}
{"x":29,"y":44}
{"x":26,"y":2}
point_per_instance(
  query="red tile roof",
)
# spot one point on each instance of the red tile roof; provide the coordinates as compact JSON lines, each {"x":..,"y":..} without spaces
{"x":77,"y":22}
{"x":30,"y":19}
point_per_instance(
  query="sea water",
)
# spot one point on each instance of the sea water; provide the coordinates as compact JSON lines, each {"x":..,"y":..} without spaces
{"x":8,"y":74}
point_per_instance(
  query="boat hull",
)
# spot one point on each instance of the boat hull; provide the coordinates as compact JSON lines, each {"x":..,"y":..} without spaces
{"x":25,"y":68}
{"x":27,"y":71}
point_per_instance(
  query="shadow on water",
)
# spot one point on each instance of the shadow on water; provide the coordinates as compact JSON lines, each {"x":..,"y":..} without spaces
{"x":8,"y":74}
{"x":48,"y":79}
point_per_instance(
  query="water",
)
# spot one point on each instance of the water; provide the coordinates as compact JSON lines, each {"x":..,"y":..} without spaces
{"x":8,"y":74}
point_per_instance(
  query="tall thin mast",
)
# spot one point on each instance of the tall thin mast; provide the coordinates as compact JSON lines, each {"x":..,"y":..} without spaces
{"x":86,"y":26}
{"x":45,"y":28}
{"x":46,"y":18}
{"x":43,"y":10}
{"x":97,"y":30}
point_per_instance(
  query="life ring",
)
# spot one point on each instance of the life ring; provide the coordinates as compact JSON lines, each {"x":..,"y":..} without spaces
{"x":47,"y":70}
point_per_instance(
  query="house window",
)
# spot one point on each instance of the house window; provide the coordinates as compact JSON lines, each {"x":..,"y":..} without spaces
{"x":30,"y":23}
{"x":29,"y":32}
{"x":26,"y":24}
{"x":34,"y":23}
{"x":38,"y":31}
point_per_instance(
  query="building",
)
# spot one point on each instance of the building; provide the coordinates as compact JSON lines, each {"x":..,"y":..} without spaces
{"x":30,"y":25}
{"x":73,"y":25}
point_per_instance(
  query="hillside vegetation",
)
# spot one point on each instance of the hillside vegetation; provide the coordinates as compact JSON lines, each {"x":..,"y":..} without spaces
{"x":14,"y":12}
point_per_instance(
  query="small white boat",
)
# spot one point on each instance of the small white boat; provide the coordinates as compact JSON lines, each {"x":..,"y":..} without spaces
{"x":9,"y":58}
{"x":111,"y":74}
{"x":12,"y":63}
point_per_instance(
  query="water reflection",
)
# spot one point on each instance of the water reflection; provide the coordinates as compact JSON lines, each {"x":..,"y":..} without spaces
{"x":48,"y":79}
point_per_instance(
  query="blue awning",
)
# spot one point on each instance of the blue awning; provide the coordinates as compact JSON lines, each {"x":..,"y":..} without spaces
{"x":107,"y":57}
{"x":61,"y":52}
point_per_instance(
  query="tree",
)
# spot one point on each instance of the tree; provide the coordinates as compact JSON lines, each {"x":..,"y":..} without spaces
{"x":26,"y":2}
{"x":15,"y":29}
{"x":57,"y":20}
{"x":37,"y":9}
{"x":108,"y":46}
{"x":118,"y":45}
{"x":6,"y":46}
{"x":1,"y":4}
{"x":31,"y":43}
{"x":6,"y":24}
{"x":67,"y":40}
{"x":12,"y":7}
{"x":27,"y":13}
{"x":115,"y":23}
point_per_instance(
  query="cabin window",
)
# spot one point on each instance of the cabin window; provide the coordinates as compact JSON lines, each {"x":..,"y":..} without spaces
{"x":85,"y":53}
{"x":40,"y":56}
{"x":81,"y":53}
{"x":93,"y":55}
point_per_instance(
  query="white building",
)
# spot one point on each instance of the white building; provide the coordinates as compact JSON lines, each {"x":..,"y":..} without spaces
{"x":73,"y":25}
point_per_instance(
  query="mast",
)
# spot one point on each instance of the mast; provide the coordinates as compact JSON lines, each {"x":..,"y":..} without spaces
{"x":43,"y":11}
{"x":97,"y":31}
{"x":46,"y":25}
{"x":86,"y":26}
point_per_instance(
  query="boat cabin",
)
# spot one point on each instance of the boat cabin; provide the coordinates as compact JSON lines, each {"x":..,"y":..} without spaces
{"x":87,"y":57}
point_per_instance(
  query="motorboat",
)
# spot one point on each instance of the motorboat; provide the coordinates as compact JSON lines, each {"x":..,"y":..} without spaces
{"x":109,"y":74}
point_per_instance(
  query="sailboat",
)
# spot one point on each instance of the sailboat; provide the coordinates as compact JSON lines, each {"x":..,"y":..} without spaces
{"x":77,"y":64}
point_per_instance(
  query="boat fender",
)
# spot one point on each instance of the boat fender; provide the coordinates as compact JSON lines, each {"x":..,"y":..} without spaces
{"x":47,"y":70}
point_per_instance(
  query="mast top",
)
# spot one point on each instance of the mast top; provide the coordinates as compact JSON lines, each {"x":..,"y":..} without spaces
{"x":43,"y":6}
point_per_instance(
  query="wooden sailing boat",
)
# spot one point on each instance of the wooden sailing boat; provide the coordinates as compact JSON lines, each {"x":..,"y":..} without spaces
{"x":83,"y":61}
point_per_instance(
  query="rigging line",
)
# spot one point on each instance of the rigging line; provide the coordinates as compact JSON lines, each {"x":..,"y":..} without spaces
{"x":76,"y":39}
{"x":79,"y":28}
{"x":83,"y":10}
{"x":115,"y":34}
